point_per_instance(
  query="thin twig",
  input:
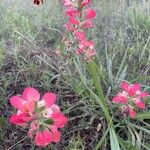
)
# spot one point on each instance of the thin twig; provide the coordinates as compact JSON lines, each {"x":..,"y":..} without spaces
{"x":17,"y":143}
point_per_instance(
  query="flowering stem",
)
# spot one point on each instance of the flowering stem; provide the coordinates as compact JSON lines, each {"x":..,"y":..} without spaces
{"x":97,"y":98}
{"x":93,"y":71}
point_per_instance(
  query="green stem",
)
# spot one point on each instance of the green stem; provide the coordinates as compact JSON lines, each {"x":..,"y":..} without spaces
{"x":95,"y":96}
{"x":100,"y":99}
{"x":93,"y":71}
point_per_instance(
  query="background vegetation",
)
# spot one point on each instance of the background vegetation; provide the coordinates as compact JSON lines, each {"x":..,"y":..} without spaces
{"x":29,"y":37}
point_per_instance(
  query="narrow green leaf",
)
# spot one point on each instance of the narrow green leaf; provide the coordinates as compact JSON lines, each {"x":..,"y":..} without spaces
{"x":2,"y":121}
{"x":145,"y":146}
{"x":104,"y":136}
{"x":139,"y":127}
{"x":126,"y":145}
{"x":105,"y":110}
{"x":132,"y":136}
{"x":145,"y":115}
{"x":114,"y":140}
{"x":94,"y":73}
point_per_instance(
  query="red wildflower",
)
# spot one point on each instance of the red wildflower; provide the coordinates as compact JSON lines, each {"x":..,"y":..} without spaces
{"x":130,"y":97}
{"x":39,"y":114}
{"x":79,"y":20}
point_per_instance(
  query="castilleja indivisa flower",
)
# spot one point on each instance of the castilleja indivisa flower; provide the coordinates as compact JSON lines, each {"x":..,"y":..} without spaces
{"x":41,"y":116}
{"x":130,"y":98}
{"x":79,"y":19}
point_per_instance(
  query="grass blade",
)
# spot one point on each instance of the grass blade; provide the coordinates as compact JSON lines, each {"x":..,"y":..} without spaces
{"x":145,"y":115}
{"x":114,"y":140}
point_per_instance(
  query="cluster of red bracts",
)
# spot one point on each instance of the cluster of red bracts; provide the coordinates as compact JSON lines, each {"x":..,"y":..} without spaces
{"x":130,"y":98}
{"x":79,"y":19}
{"x":42,"y":117}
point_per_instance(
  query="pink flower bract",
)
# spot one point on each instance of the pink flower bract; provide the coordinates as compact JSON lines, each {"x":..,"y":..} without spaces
{"x":85,"y":2}
{"x":80,"y":35}
{"x":90,"y":13}
{"x":43,"y":138}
